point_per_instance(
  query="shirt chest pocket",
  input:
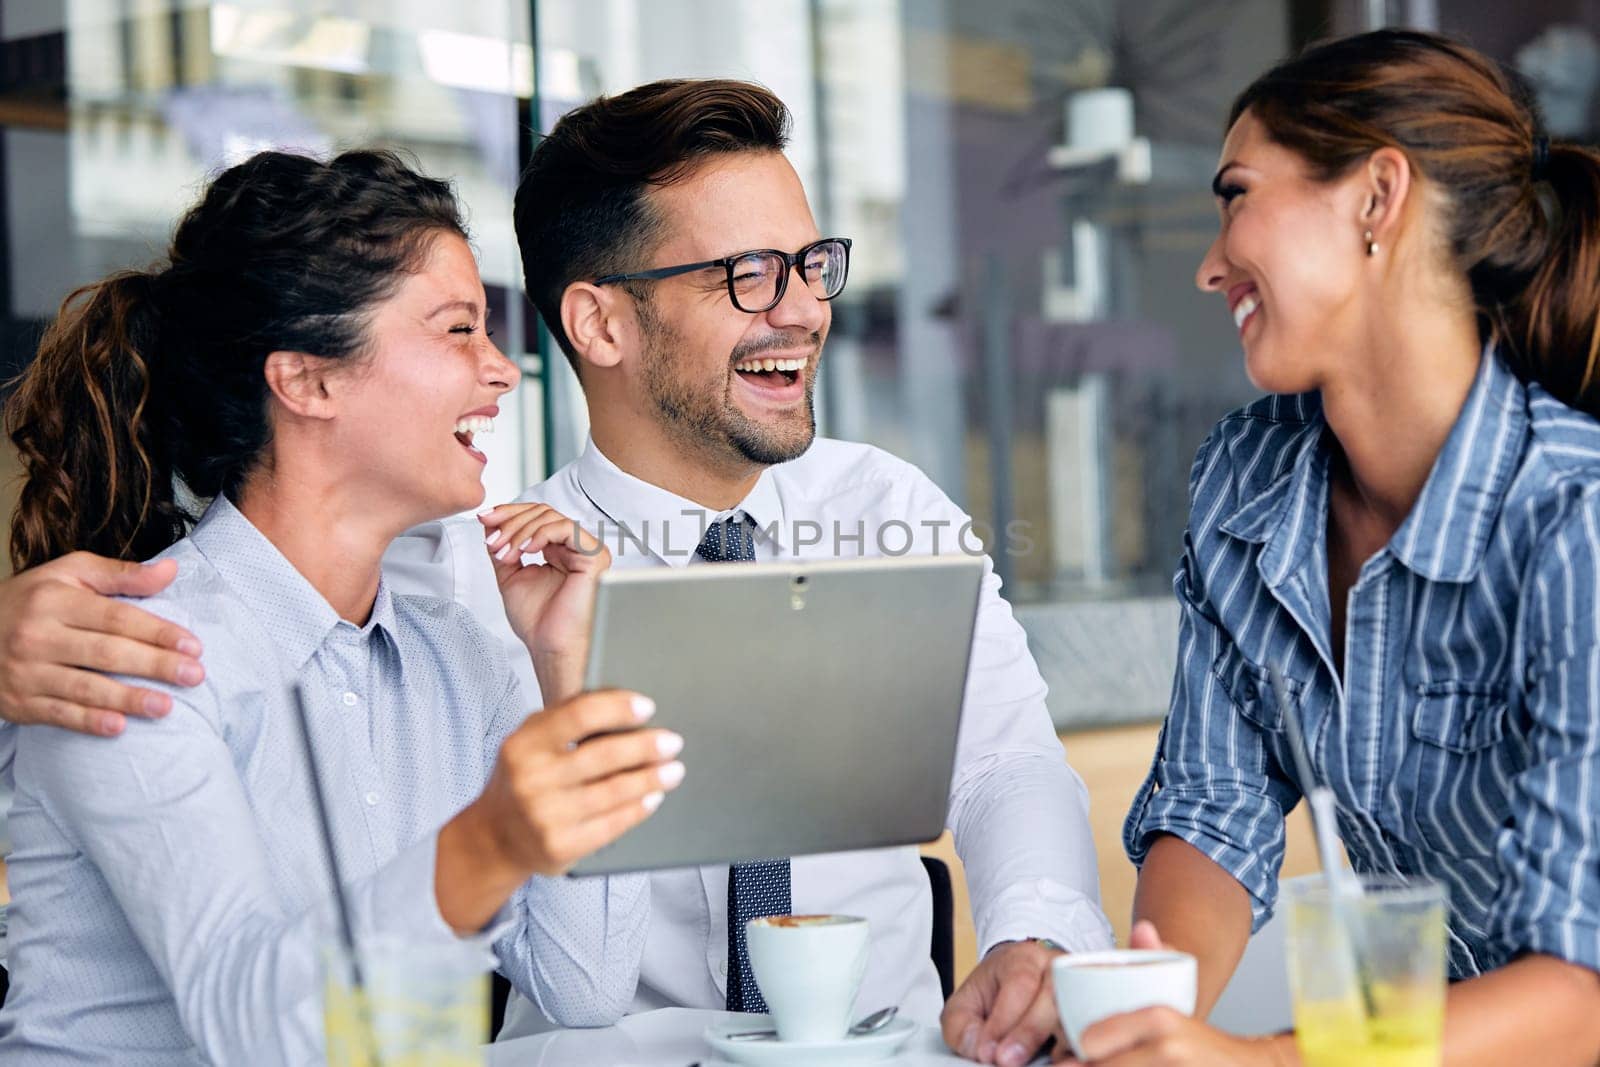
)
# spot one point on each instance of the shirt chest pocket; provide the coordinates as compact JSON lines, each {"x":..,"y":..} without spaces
{"x":1249,"y":689}
{"x":1455,"y":770}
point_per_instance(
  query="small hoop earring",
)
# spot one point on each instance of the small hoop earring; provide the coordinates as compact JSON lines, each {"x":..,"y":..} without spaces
{"x":1372,"y":246}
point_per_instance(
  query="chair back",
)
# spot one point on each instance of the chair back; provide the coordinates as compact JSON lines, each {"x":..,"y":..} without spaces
{"x":943,"y":948}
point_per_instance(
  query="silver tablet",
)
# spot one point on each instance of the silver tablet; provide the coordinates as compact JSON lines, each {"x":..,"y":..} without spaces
{"x":819,"y":701}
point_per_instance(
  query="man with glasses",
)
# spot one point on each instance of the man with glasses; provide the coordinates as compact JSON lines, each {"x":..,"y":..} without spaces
{"x":669,"y":248}
{"x":668,"y":245}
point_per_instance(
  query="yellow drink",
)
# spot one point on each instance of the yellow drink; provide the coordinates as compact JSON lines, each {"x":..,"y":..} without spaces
{"x":417,"y":1018}
{"x":1335,"y":1034}
{"x":424,"y":1037}
{"x":1367,"y":972}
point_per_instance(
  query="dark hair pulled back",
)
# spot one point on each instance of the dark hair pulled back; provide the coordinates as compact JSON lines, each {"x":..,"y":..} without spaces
{"x":1521,"y":213}
{"x":150,"y":374}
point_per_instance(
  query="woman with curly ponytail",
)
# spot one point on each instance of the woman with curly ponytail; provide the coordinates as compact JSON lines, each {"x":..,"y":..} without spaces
{"x":313,"y":359}
{"x":82,"y":423}
{"x":1408,"y":531}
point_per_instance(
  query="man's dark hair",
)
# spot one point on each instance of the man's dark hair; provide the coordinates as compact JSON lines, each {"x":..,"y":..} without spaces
{"x":581,"y":209}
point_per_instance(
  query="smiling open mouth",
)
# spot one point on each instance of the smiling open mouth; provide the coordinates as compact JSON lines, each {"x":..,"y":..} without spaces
{"x":469,"y":425}
{"x":1245,"y":309}
{"x":771,"y":373}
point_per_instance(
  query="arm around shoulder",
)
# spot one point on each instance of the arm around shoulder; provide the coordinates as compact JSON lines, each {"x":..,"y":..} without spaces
{"x":59,"y":626}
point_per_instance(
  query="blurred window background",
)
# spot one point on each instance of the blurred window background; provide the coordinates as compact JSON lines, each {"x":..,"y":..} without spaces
{"x":1026,"y":182}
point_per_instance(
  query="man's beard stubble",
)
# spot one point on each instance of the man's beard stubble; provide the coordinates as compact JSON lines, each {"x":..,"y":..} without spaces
{"x":704,"y":418}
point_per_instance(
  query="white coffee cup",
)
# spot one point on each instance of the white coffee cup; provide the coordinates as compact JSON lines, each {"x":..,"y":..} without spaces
{"x":1091,"y":986}
{"x":808,"y":968}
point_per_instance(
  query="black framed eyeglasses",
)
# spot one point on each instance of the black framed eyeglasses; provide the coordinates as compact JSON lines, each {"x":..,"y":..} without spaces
{"x":758,"y":279}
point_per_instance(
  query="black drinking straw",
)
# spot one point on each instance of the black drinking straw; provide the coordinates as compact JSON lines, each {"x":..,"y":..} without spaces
{"x":346,"y":927}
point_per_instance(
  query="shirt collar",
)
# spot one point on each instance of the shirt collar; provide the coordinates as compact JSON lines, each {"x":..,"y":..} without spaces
{"x":643,"y":517}
{"x":1445,"y":536}
{"x":294,"y":614}
{"x":1289,"y":515}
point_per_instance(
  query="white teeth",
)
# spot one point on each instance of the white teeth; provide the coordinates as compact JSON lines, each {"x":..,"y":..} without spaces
{"x":475,"y":424}
{"x":1243,"y":310}
{"x":755,"y":366}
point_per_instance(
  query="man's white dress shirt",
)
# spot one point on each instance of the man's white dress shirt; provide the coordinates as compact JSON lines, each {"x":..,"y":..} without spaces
{"x":1018,"y":812}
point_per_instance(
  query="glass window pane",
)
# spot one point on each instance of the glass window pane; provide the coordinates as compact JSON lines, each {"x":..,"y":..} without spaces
{"x":154,"y":96}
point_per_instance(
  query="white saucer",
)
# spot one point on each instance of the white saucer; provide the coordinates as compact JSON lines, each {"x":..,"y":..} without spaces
{"x":876,"y":1046}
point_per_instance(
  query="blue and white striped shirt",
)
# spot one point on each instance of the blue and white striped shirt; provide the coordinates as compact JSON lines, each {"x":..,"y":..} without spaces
{"x":1463,"y":742}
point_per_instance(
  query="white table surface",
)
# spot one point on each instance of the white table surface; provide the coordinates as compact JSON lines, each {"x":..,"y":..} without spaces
{"x":670,"y":1037}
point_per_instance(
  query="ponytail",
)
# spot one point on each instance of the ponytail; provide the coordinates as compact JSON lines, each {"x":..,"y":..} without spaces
{"x":86,"y":422}
{"x":1552,"y":323}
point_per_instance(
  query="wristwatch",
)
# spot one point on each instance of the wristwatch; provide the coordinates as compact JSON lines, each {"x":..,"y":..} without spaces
{"x":1042,"y":942}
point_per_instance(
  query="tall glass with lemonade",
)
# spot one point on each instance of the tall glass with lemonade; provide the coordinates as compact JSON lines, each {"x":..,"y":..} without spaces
{"x":1394,"y":936}
{"x":422,"y":1004}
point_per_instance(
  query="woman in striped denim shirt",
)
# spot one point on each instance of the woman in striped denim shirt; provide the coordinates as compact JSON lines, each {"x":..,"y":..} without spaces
{"x":1410,"y":529}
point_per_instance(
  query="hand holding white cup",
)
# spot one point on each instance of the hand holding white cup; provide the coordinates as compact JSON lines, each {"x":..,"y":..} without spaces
{"x":1091,"y":986}
{"x":809,"y":969}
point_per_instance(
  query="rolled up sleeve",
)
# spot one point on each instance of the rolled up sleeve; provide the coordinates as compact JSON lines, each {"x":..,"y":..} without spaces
{"x":1210,"y":783}
{"x":1549,"y":852}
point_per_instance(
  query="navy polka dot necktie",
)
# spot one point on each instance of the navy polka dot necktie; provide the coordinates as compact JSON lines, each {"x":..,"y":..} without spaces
{"x":754,"y":889}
